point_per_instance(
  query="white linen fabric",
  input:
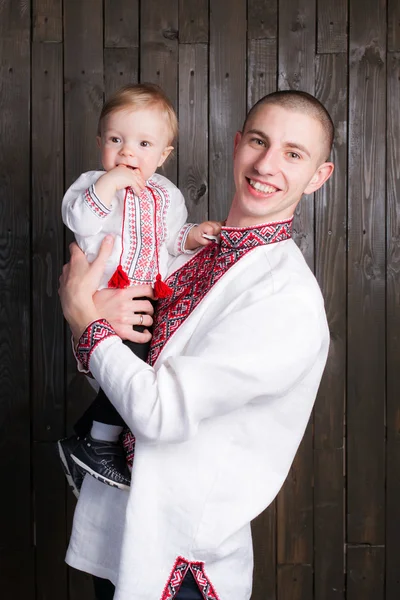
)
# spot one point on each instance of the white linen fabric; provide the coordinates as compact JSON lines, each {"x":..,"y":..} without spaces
{"x":144,"y":234}
{"x":217,"y":419}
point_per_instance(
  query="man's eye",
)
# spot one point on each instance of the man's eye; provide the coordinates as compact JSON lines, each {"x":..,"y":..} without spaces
{"x":145,"y":144}
{"x":258,"y":142}
{"x":115,"y":140}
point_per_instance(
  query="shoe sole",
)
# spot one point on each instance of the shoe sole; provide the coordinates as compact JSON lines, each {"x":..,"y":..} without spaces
{"x":120,"y":486}
{"x":66,"y":470}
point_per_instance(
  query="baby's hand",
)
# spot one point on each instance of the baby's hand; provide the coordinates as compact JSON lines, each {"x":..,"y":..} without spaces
{"x":119,"y":178}
{"x":196,"y":236}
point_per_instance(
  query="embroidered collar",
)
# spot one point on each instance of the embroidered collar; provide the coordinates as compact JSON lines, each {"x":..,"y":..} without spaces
{"x":242,"y":238}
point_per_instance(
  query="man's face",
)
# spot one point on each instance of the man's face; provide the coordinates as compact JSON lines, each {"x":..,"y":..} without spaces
{"x":138,"y":139}
{"x":277,"y":158}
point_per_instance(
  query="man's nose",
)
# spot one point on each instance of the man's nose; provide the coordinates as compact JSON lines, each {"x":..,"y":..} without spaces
{"x":267,"y":163}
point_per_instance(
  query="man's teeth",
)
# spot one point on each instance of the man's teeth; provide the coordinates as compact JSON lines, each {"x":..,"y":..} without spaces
{"x":262,"y":187}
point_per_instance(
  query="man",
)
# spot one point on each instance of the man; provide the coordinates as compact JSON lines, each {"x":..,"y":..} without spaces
{"x":236,"y":359}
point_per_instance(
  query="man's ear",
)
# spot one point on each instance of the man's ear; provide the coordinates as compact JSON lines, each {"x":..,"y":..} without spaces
{"x":238,"y":137}
{"x":321,"y":175}
{"x":98,"y":139}
{"x":166,"y":152}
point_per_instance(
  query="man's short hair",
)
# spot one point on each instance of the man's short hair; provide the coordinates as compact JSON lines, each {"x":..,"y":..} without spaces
{"x":137,"y":96}
{"x":303,"y":102}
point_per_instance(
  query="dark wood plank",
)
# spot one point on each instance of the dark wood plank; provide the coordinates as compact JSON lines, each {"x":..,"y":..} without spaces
{"x":49,"y":517}
{"x":227,"y":97}
{"x":393,"y":25}
{"x":193,"y":21}
{"x":121,"y":18}
{"x":121,"y":66}
{"x":330,"y":252}
{"x":15,"y":318}
{"x":193,"y":144}
{"x":83,"y":72}
{"x":332,"y":22}
{"x":264,"y":543}
{"x":47,"y":21}
{"x":365,"y":573}
{"x":295,"y":510}
{"x":296,"y":71}
{"x":47,"y":240}
{"x":366,"y":276}
{"x":294,"y":582}
{"x":393,"y":328}
{"x":262,"y":19}
{"x":261,"y":69}
{"x":159,"y":55}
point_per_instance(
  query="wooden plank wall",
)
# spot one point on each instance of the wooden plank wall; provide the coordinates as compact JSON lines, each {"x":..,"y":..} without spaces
{"x":333,"y":532}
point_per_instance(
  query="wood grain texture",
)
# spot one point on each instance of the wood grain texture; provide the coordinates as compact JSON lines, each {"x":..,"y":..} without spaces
{"x":121,"y":67}
{"x":393,"y":329}
{"x":296,"y":71}
{"x":261,"y":69}
{"x":329,"y":412}
{"x":47,"y":21}
{"x":193,"y":114}
{"x":264,"y":541}
{"x":49,"y":516}
{"x":15,"y":307}
{"x":365,"y":573}
{"x":159,"y":56}
{"x":47,"y":241}
{"x":366,"y":276}
{"x":193,"y":22}
{"x":227,"y":97}
{"x":393,"y":21}
{"x":332,"y":22}
{"x":121,"y":23}
{"x":262,"y":19}
{"x":294,"y":582}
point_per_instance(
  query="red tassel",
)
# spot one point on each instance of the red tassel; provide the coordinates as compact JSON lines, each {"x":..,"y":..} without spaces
{"x":120,"y":279}
{"x":161,"y":289}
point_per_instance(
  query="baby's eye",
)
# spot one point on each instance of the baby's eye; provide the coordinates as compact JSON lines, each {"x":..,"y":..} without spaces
{"x":116,"y":140}
{"x":145,"y":144}
{"x":294,"y":155}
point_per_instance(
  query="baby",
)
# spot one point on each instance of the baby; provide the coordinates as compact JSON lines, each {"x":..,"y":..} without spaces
{"x":146,"y":214}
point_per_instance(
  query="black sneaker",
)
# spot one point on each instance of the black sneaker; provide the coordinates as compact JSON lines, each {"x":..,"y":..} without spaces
{"x":72,"y":472}
{"x":103,"y":460}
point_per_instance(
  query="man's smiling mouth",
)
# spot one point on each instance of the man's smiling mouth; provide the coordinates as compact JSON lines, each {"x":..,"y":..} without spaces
{"x":265,"y":188}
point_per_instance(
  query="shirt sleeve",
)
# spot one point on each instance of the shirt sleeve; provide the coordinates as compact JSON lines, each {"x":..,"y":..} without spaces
{"x":177,"y":228}
{"x":257,"y":353}
{"x":82,"y":210}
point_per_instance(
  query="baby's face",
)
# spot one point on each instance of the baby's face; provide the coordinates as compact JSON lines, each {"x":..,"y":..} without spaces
{"x":138,"y":139}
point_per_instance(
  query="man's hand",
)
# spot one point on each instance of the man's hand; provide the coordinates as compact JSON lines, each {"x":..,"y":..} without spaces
{"x":78,"y":283}
{"x":119,"y":178}
{"x":195,"y":237}
{"x":122,"y":311}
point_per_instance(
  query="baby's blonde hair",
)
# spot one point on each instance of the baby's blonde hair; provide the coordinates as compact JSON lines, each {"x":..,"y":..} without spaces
{"x":138,"y":96}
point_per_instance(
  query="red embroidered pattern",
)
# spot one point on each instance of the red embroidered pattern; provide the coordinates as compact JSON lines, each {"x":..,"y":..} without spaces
{"x":182,"y":236}
{"x":94,"y":203}
{"x":140,"y":260}
{"x":94,"y":333}
{"x":178,"y":573}
{"x":194,"y":280}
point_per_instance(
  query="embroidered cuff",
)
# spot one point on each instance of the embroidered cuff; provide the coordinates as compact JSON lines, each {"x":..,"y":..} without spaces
{"x":182,"y":237}
{"x":95,"y":204}
{"x":94,"y":333}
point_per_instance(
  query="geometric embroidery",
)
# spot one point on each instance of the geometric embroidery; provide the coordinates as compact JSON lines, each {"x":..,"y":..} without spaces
{"x":94,"y":203}
{"x":178,"y":573}
{"x":145,"y":232}
{"x":193,"y":281}
{"x":94,"y":333}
